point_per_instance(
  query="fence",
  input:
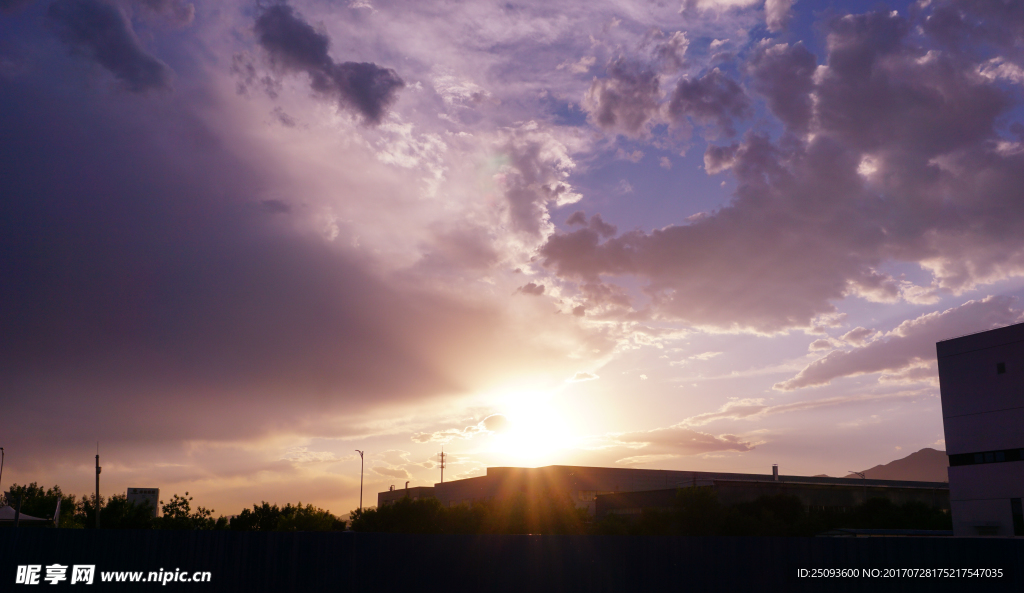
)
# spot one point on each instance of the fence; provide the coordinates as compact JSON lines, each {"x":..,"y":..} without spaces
{"x":333,"y":561}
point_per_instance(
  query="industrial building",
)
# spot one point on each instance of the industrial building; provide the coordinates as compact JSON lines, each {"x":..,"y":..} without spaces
{"x":824,"y":493}
{"x":415,"y":493}
{"x":981,"y":379}
{"x":586,"y":485}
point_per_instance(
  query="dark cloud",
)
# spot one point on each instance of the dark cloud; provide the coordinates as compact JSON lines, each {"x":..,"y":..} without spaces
{"x":881,"y":91}
{"x":596,"y":224}
{"x":626,"y":101}
{"x":979,"y":26}
{"x":248,"y":77}
{"x":282,"y":117}
{"x":669,"y":50}
{"x":601,"y":227}
{"x":719,"y":158}
{"x":903,"y":159}
{"x":784,"y":75}
{"x":712,"y":99}
{"x":578,"y":217}
{"x":531,"y":288}
{"x":149,"y":299}
{"x":11,"y":6}
{"x":180,"y":12}
{"x":102,"y":32}
{"x":294,"y":45}
{"x":276,"y":206}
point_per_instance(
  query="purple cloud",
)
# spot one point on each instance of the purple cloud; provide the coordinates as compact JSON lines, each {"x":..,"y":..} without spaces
{"x":293,"y":45}
{"x":627,"y":100}
{"x":102,"y":32}
{"x":908,"y":346}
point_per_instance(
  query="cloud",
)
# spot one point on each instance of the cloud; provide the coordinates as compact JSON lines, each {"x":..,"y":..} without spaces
{"x":531,"y":288}
{"x":633,"y":157}
{"x":393,"y":472}
{"x":626,"y":101}
{"x":776,"y":13}
{"x":12,"y":6}
{"x":293,"y":45}
{"x":180,"y":12}
{"x":712,"y":99}
{"x":784,"y":74}
{"x":102,"y":32}
{"x":705,"y":355}
{"x":304,"y":455}
{"x":858,"y":335}
{"x":496,"y":423}
{"x":925,"y":373}
{"x":172,"y":268}
{"x":644,"y":459}
{"x":897,"y":152}
{"x":395,"y":457}
{"x":596,"y":225}
{"x":735,"y":409}
{"x":680,"y":440}
{"x":580,"y":66}
{"x":754,"y":408}
{"x":490,"y":424}
{"x":535,"y":179}
{"x":909,"y":345}
{"x":671,"y":50}
{"x":583,"y":376}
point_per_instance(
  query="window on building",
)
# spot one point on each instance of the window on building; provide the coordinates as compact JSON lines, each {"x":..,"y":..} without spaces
{"x":1000,"y":368}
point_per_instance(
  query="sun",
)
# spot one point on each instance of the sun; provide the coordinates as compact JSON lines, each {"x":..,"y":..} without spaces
{"x":537,"y":432}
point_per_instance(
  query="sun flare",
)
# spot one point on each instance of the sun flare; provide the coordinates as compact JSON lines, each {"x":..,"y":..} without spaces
{"x":536,"y":431}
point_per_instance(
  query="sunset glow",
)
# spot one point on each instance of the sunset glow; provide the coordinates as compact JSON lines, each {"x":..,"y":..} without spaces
{"x":240,"y":241}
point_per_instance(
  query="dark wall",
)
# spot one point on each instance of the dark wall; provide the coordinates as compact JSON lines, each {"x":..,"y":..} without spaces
{"x":254,"y":562}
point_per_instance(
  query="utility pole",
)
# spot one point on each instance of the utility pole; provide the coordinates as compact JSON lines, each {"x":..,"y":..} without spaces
{"x":360,"y":479}
{"x":98,"y":468}
{"x":442,"y":457}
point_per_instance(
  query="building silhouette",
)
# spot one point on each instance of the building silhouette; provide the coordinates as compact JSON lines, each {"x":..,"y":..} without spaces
{"x":628,"y":490}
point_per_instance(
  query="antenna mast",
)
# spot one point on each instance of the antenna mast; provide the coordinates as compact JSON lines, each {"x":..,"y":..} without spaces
{"x":442,"y":457}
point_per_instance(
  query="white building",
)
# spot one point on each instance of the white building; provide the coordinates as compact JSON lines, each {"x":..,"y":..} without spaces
{"x":982,"y":385}
{"x":139,"y":496}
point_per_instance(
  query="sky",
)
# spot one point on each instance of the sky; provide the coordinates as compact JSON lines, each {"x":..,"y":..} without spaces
{"x":240,"y":241}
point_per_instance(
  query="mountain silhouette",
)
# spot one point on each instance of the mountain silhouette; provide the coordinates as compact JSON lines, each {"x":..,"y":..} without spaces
{"x":926,"y":465}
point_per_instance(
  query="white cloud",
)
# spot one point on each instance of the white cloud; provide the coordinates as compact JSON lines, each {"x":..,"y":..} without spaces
{"x":909,"y":345}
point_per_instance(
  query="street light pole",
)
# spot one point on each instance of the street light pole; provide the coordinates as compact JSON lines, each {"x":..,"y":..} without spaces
{"x":1,"y":470}
{"x":360,"y":479}
{"x":98,"y":468}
